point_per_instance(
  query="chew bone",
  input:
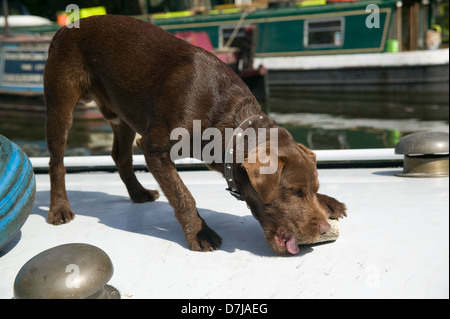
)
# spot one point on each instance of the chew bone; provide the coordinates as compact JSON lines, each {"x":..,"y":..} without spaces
{"x":331,"y":235}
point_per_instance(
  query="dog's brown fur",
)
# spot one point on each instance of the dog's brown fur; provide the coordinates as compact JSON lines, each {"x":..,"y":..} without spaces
{"x":147,"y":81}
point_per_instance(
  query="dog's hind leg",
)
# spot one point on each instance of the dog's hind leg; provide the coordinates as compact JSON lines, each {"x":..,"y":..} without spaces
{"x":60,"y":104}
{"x":122,"y":156}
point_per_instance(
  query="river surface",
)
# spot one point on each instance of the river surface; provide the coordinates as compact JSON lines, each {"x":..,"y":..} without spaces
{"x":319,"y":121}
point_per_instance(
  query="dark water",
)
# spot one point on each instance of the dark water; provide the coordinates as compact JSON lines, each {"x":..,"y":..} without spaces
{"x":358,"y":120}
{"x":319,"y":121}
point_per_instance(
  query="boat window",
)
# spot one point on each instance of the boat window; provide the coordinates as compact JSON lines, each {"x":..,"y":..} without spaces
{"x":225,"y":33}
{"x":324,"y":33}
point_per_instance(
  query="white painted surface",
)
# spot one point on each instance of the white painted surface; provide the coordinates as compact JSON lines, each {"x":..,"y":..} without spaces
{"x":394,"y":243}
{"x":321,"y":156}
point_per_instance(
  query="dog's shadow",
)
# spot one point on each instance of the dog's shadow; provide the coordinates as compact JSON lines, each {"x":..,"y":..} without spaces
{"x":158,"y":219}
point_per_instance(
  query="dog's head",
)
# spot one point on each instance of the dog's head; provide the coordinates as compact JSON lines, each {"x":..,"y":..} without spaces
{"x":286,"y":202}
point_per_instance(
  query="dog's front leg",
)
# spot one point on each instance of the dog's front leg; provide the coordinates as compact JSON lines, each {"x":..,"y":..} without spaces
{"x":199,"y":236}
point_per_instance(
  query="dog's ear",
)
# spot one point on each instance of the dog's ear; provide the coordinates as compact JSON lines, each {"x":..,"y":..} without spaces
{"x":264,"y":171}
{"x":311,"y":154}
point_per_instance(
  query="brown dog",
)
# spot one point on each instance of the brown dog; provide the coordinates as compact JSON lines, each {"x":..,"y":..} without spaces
{"x":146,"y":80}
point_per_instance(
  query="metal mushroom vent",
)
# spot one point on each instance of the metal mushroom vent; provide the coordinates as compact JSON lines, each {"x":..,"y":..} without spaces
{"x":71,"y":271}
{"x":426,"y":154}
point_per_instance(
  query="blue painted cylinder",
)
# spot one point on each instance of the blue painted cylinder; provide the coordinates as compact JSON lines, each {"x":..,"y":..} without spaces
{"x":17,"y":189}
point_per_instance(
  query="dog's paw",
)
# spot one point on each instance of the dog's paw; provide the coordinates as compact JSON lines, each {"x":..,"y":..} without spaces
{"x":340,"y":211}
{"x":205,"y":240}
{"x":335,"y":208}
{"x":144,"y":195}
{"x":60,"y":215}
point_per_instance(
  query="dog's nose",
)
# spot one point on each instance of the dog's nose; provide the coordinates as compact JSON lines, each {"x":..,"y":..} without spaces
{"x":324,"y":227}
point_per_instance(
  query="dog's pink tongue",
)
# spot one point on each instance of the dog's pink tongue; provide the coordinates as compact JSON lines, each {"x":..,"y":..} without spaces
{"x":292,"y":246}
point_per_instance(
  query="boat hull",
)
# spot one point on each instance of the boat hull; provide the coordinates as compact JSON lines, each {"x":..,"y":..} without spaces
{"x":412,"y":72}
{"x":419,"y":79}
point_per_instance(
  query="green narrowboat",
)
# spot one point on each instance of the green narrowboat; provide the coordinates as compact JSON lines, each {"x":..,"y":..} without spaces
{"x":353,"y":46}
{"x":310,"y":45}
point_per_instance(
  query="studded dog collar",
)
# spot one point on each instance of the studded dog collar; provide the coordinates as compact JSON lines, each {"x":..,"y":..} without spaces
{"x":228,"y":165}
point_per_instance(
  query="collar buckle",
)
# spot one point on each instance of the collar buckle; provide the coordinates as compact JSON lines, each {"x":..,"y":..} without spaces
{"x":235,"y":194}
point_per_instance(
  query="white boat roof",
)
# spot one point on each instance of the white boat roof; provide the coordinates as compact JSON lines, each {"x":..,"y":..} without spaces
{"x":393,"y":244}
{"x":24,"y":21}
{"x":363,"y":60}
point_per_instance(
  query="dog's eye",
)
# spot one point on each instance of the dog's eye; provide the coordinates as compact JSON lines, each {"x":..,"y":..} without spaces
{"x":297,"y":192}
